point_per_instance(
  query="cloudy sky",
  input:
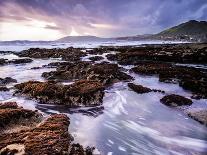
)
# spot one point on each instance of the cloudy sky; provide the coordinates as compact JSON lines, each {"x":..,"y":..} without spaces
{"x":53,"y":19}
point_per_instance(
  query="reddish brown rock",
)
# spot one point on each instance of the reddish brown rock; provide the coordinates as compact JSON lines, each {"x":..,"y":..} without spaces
{"x":175,"y":100}
{"x":11,"y":114}
{"x":51,"y":137}
{"x":81,"y":93}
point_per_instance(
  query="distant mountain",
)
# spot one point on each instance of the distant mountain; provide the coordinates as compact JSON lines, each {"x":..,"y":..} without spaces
{"x":82,"y":38}
{"x":192,"y":30}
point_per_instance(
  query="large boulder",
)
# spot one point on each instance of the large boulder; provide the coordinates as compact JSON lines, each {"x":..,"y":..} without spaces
{"x":175,"y":100}
{"x":51,"y":136}
{"x":189,"y":78}
{"x":104,"y":73}
{"x":80,"y":93}
{"x":11,"y":114}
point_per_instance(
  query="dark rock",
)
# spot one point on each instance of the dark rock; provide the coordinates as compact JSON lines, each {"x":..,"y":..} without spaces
{"x":81,"y":93}
{"x":68,"y":71}
{"x":7,"y":80}
{"x":97,"y":51}
{"x":2,"y":88}
{"x":104,"y":73}
{"x":139,"y":89}
{"x":96,"y":58}
{"x":107,"y":74}
{"x":20,"y":61}
{"x":35,"y":68}
{"x":112,"y":57}
{"x":68,"y":54}
{"x":189,"y":78}
{"x":175,"y":100}
{"x":179,"y":53}
{"x":3,"y":61}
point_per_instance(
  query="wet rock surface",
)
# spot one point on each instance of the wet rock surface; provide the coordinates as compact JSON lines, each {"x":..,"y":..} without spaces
{"x":11,"y":114}
{"x":68,"y":71}
{"x":20,"y":61}
{"x":69,"y":54}
{"x":51,"y":136}
{"x":199,"y":115}
{"x":2,"y":88}
{"x":175,"y":100}
{"x":7,"y":80}
{"x":104,"y":73}
{"x":3,"y":61}
{"x":141,"y":89}
{"x":107,"y":74}
{"x":182,"y":53}
{"x":80,"y":93}
{"x":96,"y":58}
{"x":189,"y":78}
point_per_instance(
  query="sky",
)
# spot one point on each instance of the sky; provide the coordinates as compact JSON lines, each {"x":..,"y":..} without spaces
{"x":53,"y":19}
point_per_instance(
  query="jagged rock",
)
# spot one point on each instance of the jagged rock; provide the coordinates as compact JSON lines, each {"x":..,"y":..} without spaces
{"x":175,"y":100}
{"x":107,"y":74}
{"x":68,"y":71}
{"x":69,"y":54}
{"x":3,"y":61}
{"x":189,"y":78}
{"x":10,"y":113}
{"x":139,"y":88}
{"x":112,"y":57}
{"x":179,"y":53}
{"x":96,"y":58}
{"x":20,"y":61}
{"x":51,"y":136}
{"x":81,"y":93}
{"x":104,"y":73}
{"x":11,"y":105}
{"x":7,"y":80}
{"x":2,"y":88}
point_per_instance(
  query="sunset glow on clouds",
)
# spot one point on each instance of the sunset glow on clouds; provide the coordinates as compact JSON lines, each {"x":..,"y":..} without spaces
{"x":53,"y":19}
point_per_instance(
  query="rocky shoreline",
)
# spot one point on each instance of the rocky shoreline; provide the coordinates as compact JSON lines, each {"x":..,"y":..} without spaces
{"x":88,"y":82}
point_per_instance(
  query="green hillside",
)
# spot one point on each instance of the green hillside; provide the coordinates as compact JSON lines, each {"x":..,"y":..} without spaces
{"x":192,"y":27}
